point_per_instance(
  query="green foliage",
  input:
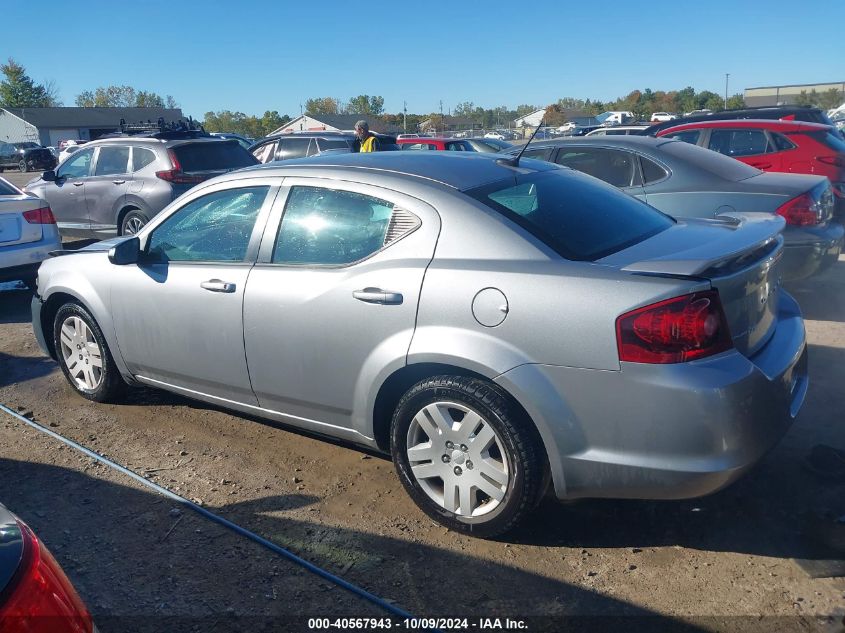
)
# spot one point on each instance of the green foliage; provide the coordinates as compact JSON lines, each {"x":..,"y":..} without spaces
{"x":826,"y":100}
{"x":322,"y":105}
{"x":18,"y":90}
{"x":365,"y":104}
{"x":123,"y":97}
{"x":245,"y":125}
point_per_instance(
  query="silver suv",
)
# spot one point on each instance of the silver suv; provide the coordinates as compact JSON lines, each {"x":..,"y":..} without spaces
{"x":116,"y":185}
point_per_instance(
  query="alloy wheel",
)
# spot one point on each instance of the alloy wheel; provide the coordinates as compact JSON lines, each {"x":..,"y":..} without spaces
{"x":458,"y":459}
{"x":22,"y":165}
{"x":81,"y":354}
{"x":132,"y":225}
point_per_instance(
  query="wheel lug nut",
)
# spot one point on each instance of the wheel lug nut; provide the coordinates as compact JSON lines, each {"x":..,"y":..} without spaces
{"x":446,"y":459}
{"x":450,"y":445}
{"x":464,"y":448}
{"x":469,"y":465}
{"x":458,"y":470}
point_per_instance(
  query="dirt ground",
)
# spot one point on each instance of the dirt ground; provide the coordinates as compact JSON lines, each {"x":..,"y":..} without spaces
{"x":724,"y":562}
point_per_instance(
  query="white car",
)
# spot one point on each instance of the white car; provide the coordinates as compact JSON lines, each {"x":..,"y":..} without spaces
{"x":495,"y":135}
{"x":28,"y":233}
{"x":658,"y":117}
{"x":67,"y":151}
{"x":618,"y":130}
{"x":566,"y":127}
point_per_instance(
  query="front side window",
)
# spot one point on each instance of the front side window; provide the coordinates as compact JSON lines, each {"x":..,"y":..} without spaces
{"x":612,"y":166}
{"x":739,"y":142}
{"x":113,"y":159}
{"x":419,"y":146}
{"x":264,"y":153}
{"x":77,"y":166}
{"x":455,"y":146}
{"x":214,"y":228}
{"x":330,"y":227}
{"x":578,"y":217}
{"x":539,"y":153}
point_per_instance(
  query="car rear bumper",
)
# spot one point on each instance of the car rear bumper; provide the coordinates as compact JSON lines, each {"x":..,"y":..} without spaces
{"x":22,"y":260}
{"x":811,"y":251}
{"x":666,"y":431}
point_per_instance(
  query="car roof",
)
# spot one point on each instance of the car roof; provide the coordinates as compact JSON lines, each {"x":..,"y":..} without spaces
{"x":164,"y":141}
{"x":459,"y":170}
{"x":767,"y":124}
{"x":630,"y":141}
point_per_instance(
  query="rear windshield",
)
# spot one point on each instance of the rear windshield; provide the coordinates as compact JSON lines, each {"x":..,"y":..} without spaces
{"x":210,"y":156}
{"x":8,"y":190}
{"x":579,"y":217}
{"x":714,"y":162}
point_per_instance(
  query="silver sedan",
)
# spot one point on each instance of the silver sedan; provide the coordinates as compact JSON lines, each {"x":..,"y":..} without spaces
{"x":497,"y":326}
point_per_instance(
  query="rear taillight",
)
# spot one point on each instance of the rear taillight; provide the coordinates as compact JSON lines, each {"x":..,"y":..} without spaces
{"x":836,"y":161}
{"x":674,"y":331}
{"x":801,"y":211}
{"x":39,"y":216}
{"x":40,"y":598}
{"x":176,"y":175}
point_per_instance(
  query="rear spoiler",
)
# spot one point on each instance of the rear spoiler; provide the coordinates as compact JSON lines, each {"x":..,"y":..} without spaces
{"x":755,"y":236}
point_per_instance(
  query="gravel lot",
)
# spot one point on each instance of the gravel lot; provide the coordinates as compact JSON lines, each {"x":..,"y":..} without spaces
{"x":727,"y":555}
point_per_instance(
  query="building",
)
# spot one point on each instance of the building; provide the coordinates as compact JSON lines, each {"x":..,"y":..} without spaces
{"x":335,"y":123}
{"x":532,"y":119}
{"x":48,"y":126}
{"x":447,"y":123}
{"x":787,"y":95}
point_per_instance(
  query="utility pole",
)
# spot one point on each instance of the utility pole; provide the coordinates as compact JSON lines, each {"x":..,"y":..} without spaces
{"x":301,"y":114}
{"x":405,"y":117}
{"x":726,"y":89}
{"x":441,"y":117}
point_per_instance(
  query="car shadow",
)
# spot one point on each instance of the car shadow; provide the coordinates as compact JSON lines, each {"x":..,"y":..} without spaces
{"x":18,"y":369}
{"x":15,"y":305}
{"x":143,"y":564}
{"x":821,"y":297}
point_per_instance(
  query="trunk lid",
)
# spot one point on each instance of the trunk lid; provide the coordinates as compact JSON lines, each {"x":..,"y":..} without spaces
{"x":14,"y":229}
{"x":740,"y":257}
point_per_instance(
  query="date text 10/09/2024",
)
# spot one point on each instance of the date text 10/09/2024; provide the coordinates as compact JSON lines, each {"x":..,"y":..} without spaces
{"x":418,"y":624}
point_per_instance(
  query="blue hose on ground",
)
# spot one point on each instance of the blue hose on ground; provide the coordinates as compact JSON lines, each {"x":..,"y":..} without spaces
{"x":322,"y":573}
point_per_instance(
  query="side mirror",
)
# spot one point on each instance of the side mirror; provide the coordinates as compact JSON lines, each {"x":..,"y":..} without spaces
{"x":49,"y":176}
{"x":126,"y":252}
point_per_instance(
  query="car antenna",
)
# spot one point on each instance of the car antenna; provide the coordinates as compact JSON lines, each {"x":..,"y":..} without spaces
{"x":514,"y":162}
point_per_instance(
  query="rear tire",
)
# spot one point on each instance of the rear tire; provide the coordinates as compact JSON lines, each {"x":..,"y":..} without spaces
{"x":22,"y":166}
{"x":466,"y":454}
{"x":84,"y":356}
{"x":133,"y":222}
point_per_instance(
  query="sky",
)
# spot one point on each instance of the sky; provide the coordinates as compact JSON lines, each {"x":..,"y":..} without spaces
{"x":252,"y":56}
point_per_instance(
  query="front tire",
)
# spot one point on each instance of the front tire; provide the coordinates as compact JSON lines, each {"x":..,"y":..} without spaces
{"x":466,"y":455}
{"x":84,"y":356}
{"x":22,"y":166}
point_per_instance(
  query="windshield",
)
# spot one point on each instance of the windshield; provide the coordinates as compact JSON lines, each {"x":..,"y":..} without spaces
{"x":579,"y":217}
{"x":714,"y":162}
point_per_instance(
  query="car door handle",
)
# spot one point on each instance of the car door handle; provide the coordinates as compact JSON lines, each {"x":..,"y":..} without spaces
{"x":761,"y":165}
{"x":118,"y":182}
{"x":215,"y":285}
{"x":77,"y":184}
{"x":377,"y":295}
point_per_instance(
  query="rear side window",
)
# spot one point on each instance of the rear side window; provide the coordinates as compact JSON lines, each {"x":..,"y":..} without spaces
{"x":455,"y":146}
{"x":293,"y":148}
{"x":652,"y":172}
{"x":687,"y":136}
{"x":612,"y":166}
{"x":331,"y":143}
{"x":578,"y":217}
{"x":330,"y":227}
{"x":781,"y":142}
{"x":739,"y":142}
{"x":213,"y":156}
{"x":715,"y":163}
{"x":142,"y":157}
{"x":112,"y":160}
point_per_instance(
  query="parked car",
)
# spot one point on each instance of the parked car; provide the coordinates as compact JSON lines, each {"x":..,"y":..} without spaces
{"x":786,"y":113}
{"x":488,"y":144}
{"x":25,"y":157}
{"x":438,"y":144}
{"x":700,"y":112}
{"x":465,"y":314}
{"x":242,"y":140}
{"x":616,"y":117}
{"x":687,"y":181}
{"x":27,"y":234}
{"x":617,"y":130}
{"x":407,"y":136}
{"x":115,"y":186}
{"x":496,"y":135}
{"x":663,"y":116}
{"x":35,"y":594}
{"x":782,"y":146}
{"x":303,"y":144}
{"x":68,"y":150}
{"x":68,"y":142}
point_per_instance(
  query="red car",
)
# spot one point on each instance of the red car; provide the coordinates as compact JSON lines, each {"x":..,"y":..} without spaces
{"x":787,"y":146}
{"x":451,"y":144}
{"x":35,"y":594}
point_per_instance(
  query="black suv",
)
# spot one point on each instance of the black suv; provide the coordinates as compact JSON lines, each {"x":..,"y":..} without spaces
{"x":302,"y":144}
{"x":793,"y":113}
{"x":26,"y":156}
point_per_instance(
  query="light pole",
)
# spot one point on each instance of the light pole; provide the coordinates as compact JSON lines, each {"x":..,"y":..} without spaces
{"x":405,"y":117}
{"x":726,"y":89}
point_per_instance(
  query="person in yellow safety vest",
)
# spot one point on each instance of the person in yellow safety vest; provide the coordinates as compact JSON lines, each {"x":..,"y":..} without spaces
{"x":368,"y":141}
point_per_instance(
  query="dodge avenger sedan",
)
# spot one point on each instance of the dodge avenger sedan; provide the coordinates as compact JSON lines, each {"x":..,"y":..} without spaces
{"x":466,"y":313}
